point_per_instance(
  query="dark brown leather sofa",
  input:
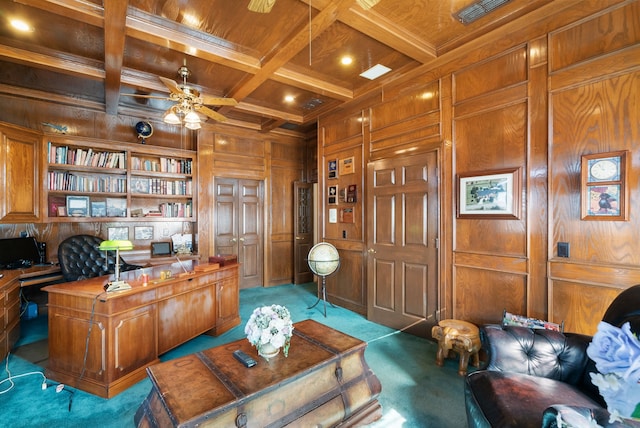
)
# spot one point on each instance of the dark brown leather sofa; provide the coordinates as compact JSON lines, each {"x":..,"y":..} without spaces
{"x":532,"y":375}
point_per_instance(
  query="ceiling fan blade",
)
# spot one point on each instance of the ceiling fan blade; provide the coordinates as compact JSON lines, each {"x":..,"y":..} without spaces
{"x":261,"y":6}
{"x":214,"y":101}
{"x":171,"y":84}
{"x":145,"y":96}
{"x":367,"y":4}
{"x":211,"y":113}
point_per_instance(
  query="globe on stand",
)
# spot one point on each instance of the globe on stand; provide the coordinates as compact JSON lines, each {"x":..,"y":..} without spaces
{"x":323,"y":260}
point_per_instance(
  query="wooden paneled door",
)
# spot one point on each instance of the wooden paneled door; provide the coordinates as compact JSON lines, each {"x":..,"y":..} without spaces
{"x":238,"y":226}
{"x":303,"y":230}
{"x":402,"y":241}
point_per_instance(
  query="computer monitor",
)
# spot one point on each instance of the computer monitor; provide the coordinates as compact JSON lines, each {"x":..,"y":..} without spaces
{"x":14,"y":249}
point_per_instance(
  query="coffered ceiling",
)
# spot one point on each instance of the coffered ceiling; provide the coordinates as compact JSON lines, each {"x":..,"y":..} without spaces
{"x":91,"y":52}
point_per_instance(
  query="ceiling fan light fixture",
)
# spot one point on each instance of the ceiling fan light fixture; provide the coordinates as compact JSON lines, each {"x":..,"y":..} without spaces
{"x":191,"y":117}
{"x":192,"y":125}
{"x":171,"y":118}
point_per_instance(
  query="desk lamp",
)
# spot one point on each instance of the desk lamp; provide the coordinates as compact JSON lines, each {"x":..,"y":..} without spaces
{"x":116,"y":245}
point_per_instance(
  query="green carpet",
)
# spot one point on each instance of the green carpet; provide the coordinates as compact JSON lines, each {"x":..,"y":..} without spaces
{"x":415,"y":392}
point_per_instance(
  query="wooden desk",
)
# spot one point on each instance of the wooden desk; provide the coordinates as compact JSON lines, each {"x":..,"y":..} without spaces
{"x":129,"y":329}
{"x":10,"y":284}
{"x":325,"y":382}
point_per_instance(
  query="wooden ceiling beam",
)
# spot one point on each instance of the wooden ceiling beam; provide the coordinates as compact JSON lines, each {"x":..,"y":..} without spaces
{"x":381,"y":29}
{"x":115,"y":13}
{"x":79,"y":10}
{"x":63,"y":63}
{"x":290,"y":48}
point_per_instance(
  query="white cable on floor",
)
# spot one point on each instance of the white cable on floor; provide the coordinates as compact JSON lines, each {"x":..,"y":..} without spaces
{"x":10,"y":378}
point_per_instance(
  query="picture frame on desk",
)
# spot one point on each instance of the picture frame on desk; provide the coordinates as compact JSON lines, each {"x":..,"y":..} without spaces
{"x":77,"y":206}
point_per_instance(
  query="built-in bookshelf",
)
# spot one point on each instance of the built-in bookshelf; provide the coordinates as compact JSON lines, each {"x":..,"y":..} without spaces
{"x":118,"y":181}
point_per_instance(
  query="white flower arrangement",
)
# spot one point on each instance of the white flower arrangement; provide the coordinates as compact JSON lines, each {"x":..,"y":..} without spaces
{"x":616,"y":352}
{"x":270,"y":324}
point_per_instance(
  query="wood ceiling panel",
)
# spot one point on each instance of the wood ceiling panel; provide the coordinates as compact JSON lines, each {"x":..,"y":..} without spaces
{"x":88,"y":54}
{"x":161,"y":61}
{"x":339,"y":40}
{"x":78,"y":39}
{"x":231,"y":21}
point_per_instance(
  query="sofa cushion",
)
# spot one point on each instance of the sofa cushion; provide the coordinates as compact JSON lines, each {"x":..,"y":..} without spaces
{"x":507,"y":399}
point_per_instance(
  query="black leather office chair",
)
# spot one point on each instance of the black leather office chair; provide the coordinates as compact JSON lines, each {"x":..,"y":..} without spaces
{"x":80,"y":258}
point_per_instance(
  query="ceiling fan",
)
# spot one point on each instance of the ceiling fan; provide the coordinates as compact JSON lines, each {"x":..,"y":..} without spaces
{"x":189,"y":102}
{"x":264,"y":6}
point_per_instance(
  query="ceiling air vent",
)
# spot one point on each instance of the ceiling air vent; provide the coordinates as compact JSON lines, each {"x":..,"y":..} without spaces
{"x":312,"y":103}
{"x":477,"y":10}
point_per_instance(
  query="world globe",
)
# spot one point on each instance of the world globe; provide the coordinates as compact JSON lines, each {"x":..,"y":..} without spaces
{"x":323,"y":259}
{"x":144,"y":130}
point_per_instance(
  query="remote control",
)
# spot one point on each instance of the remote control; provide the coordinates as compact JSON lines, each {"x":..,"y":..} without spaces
{"x":244,"y":358}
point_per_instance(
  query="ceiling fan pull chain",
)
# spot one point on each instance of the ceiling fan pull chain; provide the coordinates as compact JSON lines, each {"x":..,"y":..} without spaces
{"x":309,"y":32}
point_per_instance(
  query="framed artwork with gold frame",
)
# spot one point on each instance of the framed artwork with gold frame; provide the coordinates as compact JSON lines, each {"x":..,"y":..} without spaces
{"x":604,"y":193}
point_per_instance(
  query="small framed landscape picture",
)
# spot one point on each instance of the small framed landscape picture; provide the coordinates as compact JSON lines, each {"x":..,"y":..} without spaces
{"x":118,"y":233}
{"x":489,"y":194}
{"x":116,"y":207}
{"x":143,"y":232}
{"x":98,"y":209}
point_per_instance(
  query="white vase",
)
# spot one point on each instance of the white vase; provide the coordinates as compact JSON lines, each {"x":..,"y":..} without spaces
{"x":268,"y":351}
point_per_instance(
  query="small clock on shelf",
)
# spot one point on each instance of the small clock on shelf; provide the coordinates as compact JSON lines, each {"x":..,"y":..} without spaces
{"x":604,"y":190}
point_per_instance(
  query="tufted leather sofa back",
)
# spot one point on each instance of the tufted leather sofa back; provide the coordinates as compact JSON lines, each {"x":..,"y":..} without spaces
{"x":536,"y":352}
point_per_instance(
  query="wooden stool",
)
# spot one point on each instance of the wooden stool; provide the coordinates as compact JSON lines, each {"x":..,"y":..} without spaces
{"x":458,"y":336}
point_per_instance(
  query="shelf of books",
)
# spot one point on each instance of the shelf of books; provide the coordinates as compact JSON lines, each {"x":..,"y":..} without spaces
{"x":91,"y":178}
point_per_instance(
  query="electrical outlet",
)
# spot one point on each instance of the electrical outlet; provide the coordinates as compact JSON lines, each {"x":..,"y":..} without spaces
{"x":563,"y":249}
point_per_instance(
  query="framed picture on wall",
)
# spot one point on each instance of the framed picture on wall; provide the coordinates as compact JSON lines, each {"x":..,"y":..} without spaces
{"x":490,"y":194}
{"x":332,"y":195}
{"x":143,"y":232}
{"x":332,"y":166}
{"x":118,"y":233}
{"x":346,"y":166}
{"x":604,"y":186}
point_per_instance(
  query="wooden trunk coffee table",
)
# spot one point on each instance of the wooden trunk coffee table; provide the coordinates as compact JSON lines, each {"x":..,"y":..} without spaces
{"x":325,"y":382}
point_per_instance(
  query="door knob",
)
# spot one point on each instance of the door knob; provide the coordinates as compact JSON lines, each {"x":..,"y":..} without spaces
{"x":234,"y":240}
{"x":371,"y":251}
{"x":241,"y":239}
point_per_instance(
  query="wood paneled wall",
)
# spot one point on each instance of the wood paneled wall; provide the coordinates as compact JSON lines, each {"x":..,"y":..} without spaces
{"x":595,"y":113}
{"x":536,"y":98}
{"x":279,"y":161}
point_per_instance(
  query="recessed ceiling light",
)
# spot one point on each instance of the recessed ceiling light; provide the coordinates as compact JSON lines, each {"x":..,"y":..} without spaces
{"x":346,"y":60}
{"x":190,"y":20}
{"x":21,"y":25}
{"x":289,"y":98}
{"x":375,"y":72}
